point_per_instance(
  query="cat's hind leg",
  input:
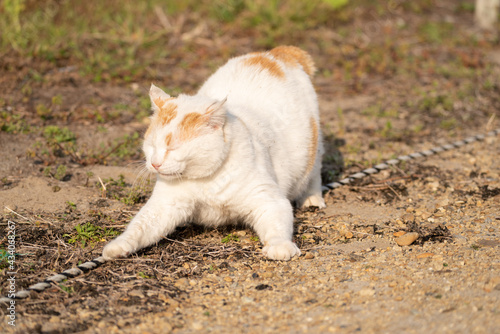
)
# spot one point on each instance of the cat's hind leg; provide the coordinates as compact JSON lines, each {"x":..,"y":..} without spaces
{"x":312,"y":195}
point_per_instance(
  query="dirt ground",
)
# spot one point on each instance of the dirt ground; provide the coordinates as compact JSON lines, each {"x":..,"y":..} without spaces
{"x":353,"y":276}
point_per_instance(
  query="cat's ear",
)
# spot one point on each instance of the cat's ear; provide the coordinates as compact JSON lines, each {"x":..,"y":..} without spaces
{"x":158,"y":98}
{"x":216,"y":114}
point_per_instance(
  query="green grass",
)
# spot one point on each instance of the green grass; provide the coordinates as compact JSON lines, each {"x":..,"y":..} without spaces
{"x":230,"y":238}
{"x":119,"y":39}
{"x":89,"y":234}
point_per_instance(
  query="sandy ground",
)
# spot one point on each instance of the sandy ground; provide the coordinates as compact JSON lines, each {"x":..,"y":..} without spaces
{"x":353,"y":276}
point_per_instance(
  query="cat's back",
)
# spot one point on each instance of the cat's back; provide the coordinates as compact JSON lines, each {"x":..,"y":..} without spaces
{"x":261,"y":77}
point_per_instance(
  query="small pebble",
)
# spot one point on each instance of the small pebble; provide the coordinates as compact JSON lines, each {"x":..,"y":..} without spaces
{"x":399,"y":233}
{"x":366,"y":292}
{"x":228,"y":279}
{"x":408,"y":217}
{"x":136,"y":293}
{"x":309,"y":256}
{"x":267,"y":274}
{"x":424,"y":255}
{"x":197,"y":326}
{"x":407,"y":239}
{"x":181,"y":283}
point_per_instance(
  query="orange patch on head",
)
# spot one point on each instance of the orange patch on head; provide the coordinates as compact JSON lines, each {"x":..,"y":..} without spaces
{"x":168,"y":139}
{"x":167,"y":113}
{"x":313,"y":145}
{"x":266,"y":63}
{"x":293,"y":56}
{"x":159,"y":102}
{"x":190,"y":124}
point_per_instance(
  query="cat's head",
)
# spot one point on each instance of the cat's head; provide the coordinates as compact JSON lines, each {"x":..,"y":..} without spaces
{"x":186,"y":136}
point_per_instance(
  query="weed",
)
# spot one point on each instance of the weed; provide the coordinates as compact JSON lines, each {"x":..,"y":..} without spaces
{"x":90,"y":233}
{"x":60,"y":172}
{"x":68,"y":289}
{"x":4,"y":258}
{"x":142,"y":275}
{"x":12,"y":123}
{"x":71,"y":205}
{"x":436,"y":32}
{"x":229,"y":238}
{"x":448,"y":124}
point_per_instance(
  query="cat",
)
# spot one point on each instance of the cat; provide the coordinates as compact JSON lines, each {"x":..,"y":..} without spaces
{"x":240,"y":150}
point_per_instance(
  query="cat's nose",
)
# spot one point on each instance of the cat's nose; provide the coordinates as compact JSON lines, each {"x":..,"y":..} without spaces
{"x":155,"y":165}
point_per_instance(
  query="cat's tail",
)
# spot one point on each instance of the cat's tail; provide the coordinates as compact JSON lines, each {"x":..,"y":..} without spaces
{"x":292,"y":55}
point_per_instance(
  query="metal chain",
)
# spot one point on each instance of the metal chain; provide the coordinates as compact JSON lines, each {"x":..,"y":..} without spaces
{"x":422,"y":154}
{"x":90,"y":265}
{"x":70,"y":273}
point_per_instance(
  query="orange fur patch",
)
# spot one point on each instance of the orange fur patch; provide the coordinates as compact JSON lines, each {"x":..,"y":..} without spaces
{"x":167,"y":113}
{"x":263,"y":62}
{"x":188,"y":127}
{"x":313,"y":145}
{"x":159,"y":102}
{"x":293,"y":56}
{"x":168,"y":139}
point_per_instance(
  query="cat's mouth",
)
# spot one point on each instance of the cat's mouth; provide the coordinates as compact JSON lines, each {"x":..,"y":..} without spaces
{"x":170,"y":174}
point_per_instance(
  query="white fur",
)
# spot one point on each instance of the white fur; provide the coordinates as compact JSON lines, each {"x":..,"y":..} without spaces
{"x":247,"y":164}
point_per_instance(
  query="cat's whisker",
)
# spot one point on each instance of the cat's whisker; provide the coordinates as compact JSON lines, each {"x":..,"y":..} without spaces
{"x":141,"y":178}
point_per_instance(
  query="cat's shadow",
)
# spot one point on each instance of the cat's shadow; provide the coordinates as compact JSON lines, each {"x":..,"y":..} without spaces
{"x":333,"y":161}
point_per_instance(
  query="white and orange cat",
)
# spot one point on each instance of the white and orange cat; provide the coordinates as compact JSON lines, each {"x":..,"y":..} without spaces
{"x":239,"y":150}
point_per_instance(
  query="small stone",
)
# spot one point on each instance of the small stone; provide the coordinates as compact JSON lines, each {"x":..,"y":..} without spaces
{"x":197,"y":326}
{"x":407,"y":239}
{"x":136,"y":293}
{"x":366,"y":292}
{"x":228,"y":279}
{"x":424,"y":255}
{"x":181,"y":283}
{"x":240,"y":233}
{"x":488,"y":242}
{"x":399,"y":233}
{"x":54,"y":319}
{"x":309,"y":256}
{"x":348,"y":235}
{"x":398,"y":298}
{"x":408,"y":217}
{"x":267,"y":274}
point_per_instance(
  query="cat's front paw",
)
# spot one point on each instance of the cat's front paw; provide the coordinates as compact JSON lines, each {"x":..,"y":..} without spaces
{"x":281,"y":250}
{"x":117,"y":248}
